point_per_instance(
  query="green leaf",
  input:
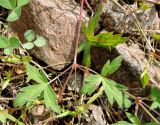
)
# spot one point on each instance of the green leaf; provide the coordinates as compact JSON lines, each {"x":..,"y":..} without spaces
{"x":29,"y":35}
{"x":122,"y":123}
{"x":29,"y":94}
{"x":34,"y":74}
{"x":91,"y":84}
{"x":133,"y":119}
{"x":155,"y":105}
{"x":82,"y":46}
{"x":8,"y":51}
{"x":8,"y":4}
{"x":84,"y":29}
{"x":40,"y":41}
{"x":22,"y":2}
{"x":4,"y":42}
{"x":14,"y":42}
{"x":93,"y":21}
{"x":86,"y":55}
{"x":26,"y":58}
{"x":107,"y":39}
{"x":114,"y":94}
{"x":12,"y":59}
{"x":156,"y":36}
{"x":14,"y":15}
{"x":50,"y":99}
{"x":116,"y":85}
{"x":4,"y":115}
{"x":28,"y":45}
{"x":155,"y":94}
{"x":110,"y":68}
{"x":116,"y":39}
{"x":144,"y":78}
{"x":144,"y":6}
{"x":102,"y":37}
{"x":152,"y":123}
{"x":5,"y":83}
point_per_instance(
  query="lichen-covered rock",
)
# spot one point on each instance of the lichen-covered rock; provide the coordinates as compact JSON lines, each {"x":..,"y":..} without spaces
{"x":56,"y":20}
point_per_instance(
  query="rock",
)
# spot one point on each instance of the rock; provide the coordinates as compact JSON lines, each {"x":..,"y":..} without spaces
{"x":56,"y":20}
{"x":122,"y":20}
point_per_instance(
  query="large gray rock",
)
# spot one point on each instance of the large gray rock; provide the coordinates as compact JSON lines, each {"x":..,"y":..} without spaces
{"x":56,"y":20}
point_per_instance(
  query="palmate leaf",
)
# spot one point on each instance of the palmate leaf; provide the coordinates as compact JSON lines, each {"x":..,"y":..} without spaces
{"x":31,"y":93}
{"x":114,"y":93}
{"x":50,"y":99}
{"x":91,"y":84}
{"x":111,"y":67}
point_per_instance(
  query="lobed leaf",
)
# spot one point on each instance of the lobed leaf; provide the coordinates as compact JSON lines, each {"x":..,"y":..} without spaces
{"x":91,"y":84}
{"x":111,"y":67}
{"x":93,"y":21}
{"x":50,"y":99}
{"x":34,"y":74}
{"x":114,"y":94}
{"x":28,"y":95}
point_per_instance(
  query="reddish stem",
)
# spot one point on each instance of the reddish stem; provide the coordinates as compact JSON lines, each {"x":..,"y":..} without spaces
{"x":79,"y":32}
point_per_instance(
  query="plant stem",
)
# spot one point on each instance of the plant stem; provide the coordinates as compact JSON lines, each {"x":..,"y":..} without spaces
{"x":79,"y":32}
{"x":95,"y":96}
{"x":149,"y":113}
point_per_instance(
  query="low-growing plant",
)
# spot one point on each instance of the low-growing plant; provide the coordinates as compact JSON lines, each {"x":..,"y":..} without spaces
{"x":40,"y":91}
